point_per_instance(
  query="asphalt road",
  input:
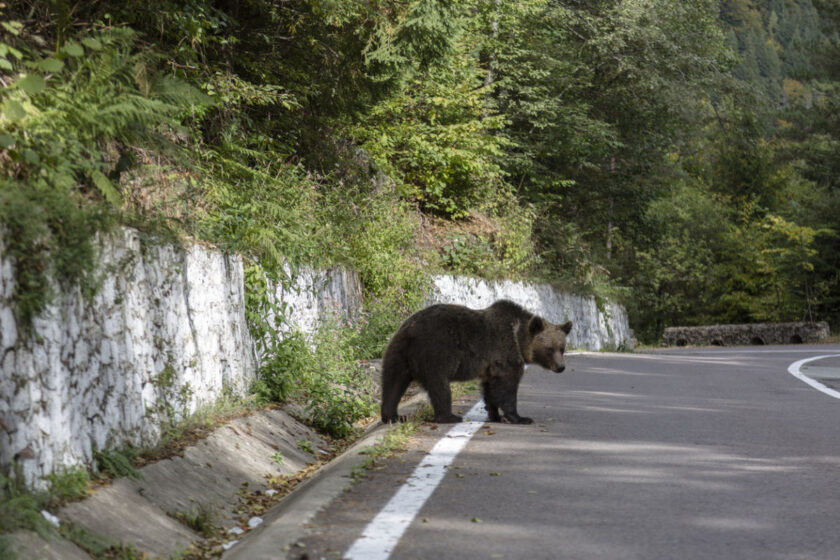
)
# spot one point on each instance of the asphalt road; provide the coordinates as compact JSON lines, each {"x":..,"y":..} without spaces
{"x":691,"y":453}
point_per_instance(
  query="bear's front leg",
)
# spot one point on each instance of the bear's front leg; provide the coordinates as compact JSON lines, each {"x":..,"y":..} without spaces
{"x":514,"y":418}
{"x":502,"y":392}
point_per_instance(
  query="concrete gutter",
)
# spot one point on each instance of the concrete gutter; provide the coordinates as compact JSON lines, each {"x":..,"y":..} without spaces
{"x":213,"y":473}
{"x":284,"y":524}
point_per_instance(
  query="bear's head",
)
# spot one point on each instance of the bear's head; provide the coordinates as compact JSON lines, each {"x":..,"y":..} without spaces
{"x":548,"y":344}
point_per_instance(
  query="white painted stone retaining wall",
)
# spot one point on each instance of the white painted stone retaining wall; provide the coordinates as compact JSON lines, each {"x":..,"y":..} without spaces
{"x":593,"y":328}
{"x":166,"y":333}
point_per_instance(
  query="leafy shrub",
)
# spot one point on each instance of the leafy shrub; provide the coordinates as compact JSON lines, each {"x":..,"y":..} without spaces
{"x":495,"y":246}
{"x":201,"y":519}
{"x":379,"y":322}
{"x":322,"y":374}
{"x":471,"y":254}
{"x":267,"y":216}
{"x":335,"y":389}
{"x":282,"y":367}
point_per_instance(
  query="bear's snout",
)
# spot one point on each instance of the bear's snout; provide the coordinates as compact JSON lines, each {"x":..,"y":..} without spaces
{"x":558,"y":364}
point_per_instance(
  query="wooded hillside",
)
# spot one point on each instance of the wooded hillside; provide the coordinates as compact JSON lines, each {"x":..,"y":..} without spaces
{"x":680,"y":156}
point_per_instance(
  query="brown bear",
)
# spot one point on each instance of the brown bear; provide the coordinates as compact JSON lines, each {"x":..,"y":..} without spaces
{"x":445,"y":342}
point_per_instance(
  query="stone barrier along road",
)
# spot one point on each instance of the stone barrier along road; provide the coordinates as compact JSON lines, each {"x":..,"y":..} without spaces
{"x":166,"y":334}
{"x":597,"y":326}
{"x":749,"y":334}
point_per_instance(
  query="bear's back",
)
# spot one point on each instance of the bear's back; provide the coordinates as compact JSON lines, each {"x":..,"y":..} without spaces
{"x":448,"y":328}
{"x":442,"y":321}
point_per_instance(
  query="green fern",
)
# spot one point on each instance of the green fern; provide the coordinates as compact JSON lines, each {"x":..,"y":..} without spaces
{"x":117,"y":462}
{"x":57,"y":121}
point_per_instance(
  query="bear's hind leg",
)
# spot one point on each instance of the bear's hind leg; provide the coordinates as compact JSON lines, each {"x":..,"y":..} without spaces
{"x":394,"y":384}
{"x":441,"y":397}
{"x":490,"y":403}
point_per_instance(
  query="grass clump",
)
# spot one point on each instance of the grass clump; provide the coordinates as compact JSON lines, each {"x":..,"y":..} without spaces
{"x":395,"y":439}
{"x":100,"y":548}
{"x":21,"y":507}
{"x":68,"y":485}
{"x":118,"y":463}
{"x":201,"y":519}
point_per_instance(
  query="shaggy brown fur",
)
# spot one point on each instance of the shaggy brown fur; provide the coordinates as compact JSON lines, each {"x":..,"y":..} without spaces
{"x":444,"y":343}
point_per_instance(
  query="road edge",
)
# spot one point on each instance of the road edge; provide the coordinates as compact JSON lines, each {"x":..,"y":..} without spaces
{"x":795,"y":369}
{"x":284,"y":524}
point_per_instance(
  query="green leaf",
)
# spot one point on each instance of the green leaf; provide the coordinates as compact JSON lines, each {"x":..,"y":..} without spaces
{"x":12,"y":27}
{"x":6,"y":141}
{"x":106,"y":187}
{"x":32,"y":83}
{"x":5,"y":64}
{"x":14,"y":111}
{"x":73,"y":49}
{"x":31,"y":157}
{"x":51,"y":65}
{"x":92,"y":43}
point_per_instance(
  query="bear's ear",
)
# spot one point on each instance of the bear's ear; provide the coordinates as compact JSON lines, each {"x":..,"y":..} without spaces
{"x":536,"y":325}
{"x":566,"y":327}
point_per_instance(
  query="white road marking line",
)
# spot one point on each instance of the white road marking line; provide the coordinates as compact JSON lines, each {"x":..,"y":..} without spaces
{"x":675,"y":352}
{"x":794,"y":369}
{"x":385,"y":530}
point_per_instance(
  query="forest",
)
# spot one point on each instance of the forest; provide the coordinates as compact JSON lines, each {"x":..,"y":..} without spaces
{"x":680,"y":157}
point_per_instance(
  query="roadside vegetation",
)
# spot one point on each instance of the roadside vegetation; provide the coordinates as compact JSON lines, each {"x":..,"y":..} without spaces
{"x":678,"y":156}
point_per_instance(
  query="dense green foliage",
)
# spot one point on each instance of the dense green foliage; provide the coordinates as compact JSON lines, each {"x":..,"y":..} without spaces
{"x":682,"y":156}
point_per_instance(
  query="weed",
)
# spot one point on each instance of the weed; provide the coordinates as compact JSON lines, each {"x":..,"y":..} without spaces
{"x":395,"y":439}
{"x":98,"y":547}
{"x":286,"y":360}
{"x":94,"y":545}
{"x":200,"y":519}
{"x":179,"y":434}
{"x":20,"y":508}
{"x":67,"y":485}
{"x":381,"y":319}
{"x":336,"y":391}
{"x":118,"y":462}
{"x":469,"y":254}
{"x":306,"y":445}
